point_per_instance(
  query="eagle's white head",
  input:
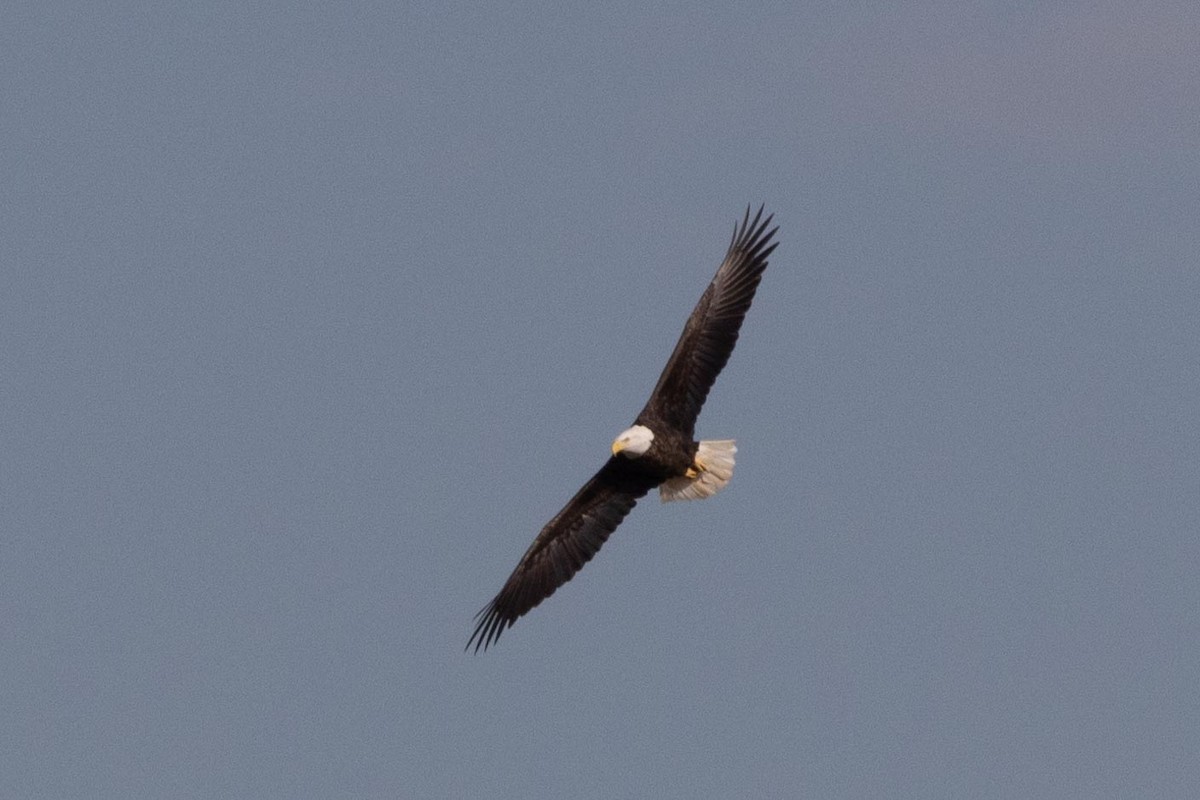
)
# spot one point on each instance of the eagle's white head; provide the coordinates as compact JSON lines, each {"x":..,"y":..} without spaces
{"x":633,"y":442}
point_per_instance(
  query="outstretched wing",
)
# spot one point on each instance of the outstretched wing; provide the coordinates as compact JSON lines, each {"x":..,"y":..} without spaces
{"x":712,"y":329}
{"x":562,"y":548}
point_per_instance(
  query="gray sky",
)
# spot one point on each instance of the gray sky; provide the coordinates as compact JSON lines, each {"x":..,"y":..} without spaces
{"x":311,"y":317}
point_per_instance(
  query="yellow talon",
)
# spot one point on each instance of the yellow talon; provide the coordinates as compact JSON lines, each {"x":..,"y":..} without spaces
{"x":695,"y":469}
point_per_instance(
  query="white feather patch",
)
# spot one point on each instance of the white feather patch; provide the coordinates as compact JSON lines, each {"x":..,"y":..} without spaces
{"x":717,"y":458}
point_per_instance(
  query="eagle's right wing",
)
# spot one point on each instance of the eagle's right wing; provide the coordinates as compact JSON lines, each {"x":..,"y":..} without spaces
{"x":562,"y":548}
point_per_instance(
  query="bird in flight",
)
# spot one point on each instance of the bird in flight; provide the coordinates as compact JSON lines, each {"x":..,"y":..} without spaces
{"x":657,"y":451}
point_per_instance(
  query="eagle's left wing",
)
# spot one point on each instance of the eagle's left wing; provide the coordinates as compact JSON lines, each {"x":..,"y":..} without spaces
{"x":712,"y":329}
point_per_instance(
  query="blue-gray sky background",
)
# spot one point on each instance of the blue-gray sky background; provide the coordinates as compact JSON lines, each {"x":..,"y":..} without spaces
{"x":312,"y":315}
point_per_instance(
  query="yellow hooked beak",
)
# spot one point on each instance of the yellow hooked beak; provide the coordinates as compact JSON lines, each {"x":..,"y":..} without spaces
{"x":618,"y":446}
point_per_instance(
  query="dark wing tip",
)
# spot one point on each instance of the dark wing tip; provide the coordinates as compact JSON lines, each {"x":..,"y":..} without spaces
{"x":753,"y":236}
{"x":746,"y":259}
{"x":752,"y":241}
{"x":492,"y":620}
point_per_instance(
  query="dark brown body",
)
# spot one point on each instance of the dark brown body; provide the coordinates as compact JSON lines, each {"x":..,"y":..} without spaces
{"x":670,"y":455}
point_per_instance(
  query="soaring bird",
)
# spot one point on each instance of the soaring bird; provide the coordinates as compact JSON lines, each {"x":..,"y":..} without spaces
{"x":658,"y":450}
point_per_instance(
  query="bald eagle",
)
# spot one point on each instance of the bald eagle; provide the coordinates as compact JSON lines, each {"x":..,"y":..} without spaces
{"x":657,"y":451}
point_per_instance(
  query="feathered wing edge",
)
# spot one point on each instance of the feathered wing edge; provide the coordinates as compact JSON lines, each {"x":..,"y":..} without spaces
{"x":711,"y":331}
{"x":564,"y":545}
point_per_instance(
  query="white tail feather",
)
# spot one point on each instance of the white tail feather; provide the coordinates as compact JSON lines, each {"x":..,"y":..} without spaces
{"x":716,"y":460}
